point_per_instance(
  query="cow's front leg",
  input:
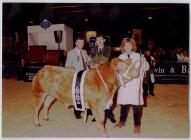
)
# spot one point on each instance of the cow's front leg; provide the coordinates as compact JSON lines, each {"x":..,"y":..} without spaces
{"x":99,"y":114}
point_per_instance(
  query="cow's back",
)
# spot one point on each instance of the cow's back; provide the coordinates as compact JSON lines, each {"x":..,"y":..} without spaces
{"x":54,"y":80}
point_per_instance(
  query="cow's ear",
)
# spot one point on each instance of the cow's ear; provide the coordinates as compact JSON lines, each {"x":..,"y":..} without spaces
{"x":115,"y":61}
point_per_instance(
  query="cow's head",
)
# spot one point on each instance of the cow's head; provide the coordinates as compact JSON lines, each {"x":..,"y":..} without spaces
{"x":125,"y":70}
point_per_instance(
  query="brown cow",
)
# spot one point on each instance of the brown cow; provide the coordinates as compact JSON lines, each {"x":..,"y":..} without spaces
{"x":53,"y":82}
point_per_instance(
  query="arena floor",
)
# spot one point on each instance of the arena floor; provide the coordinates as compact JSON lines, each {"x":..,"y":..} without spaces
{"x":166,"y":115}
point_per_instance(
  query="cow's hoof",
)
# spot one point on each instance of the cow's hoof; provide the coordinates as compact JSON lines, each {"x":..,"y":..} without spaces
{"x":46,"y":119}
{"x":105,"y":135}
{"x":136,"y":130}
{"x":78,"y":117}
{"x":38,"y":124}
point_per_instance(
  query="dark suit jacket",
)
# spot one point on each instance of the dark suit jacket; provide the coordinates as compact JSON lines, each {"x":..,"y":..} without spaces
{"x":104,"y":55}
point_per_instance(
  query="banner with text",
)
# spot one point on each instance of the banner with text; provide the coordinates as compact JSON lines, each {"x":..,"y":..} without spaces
{"x":172,"y":73}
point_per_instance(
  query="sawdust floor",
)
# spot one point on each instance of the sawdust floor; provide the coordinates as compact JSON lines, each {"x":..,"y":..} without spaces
{"x":166,"y":116}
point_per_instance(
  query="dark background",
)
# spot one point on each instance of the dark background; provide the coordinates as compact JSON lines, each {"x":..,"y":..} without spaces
{"x":169,"y":26}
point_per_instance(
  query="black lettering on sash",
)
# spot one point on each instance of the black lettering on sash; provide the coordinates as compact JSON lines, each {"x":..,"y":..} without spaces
{"x":77,"y":89}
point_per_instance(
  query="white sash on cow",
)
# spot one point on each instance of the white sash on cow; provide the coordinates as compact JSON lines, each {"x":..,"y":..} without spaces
{"x":80,"y":91}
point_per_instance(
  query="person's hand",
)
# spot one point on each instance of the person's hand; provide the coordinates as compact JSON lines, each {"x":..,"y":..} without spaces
{"x":143,"y":59}
{"x":88,"y":58}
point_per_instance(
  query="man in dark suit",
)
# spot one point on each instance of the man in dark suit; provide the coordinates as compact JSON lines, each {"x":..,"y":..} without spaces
{"x":101,"y":53}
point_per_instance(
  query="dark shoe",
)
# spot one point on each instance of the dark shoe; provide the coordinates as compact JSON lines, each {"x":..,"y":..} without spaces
{"x":145,"y":94}
{"x":78,"y":117}
{"x":120,"y":124}
{"x":112,"y":120}
{"x":136,"y":130}
{"x":152,"y":94}
{"x":77,"y":114}
{"x":93,"y":120}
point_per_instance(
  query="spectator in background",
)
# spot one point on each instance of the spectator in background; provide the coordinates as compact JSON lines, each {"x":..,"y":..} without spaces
{"x":163,"y":56}
{"x":149,"y":79}
{"x":173,"y":56}
{"x":155,"y":55}
{"x":182,"y":55}
{"x":185,"y":56}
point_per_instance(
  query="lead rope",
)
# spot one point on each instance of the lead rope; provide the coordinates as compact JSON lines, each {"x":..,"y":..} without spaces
{"x":102,"y":80}
{"x":108,"y":105}
{"x":142,"y":75}
{"x":110,"y":101}
{"x":85,"y":115}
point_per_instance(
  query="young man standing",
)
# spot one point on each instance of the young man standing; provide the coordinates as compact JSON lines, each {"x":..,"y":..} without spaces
{"x":101,"y":53}
{"x":77,"y":60}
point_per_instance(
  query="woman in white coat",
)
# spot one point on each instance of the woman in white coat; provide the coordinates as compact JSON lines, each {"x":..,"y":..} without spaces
{"x":132,"y":93}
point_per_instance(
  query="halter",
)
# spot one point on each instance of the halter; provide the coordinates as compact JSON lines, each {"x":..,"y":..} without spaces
{"x":126,"y":72}
{"x":110,"y":102}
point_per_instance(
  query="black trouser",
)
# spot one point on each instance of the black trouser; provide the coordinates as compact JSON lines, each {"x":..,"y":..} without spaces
{"x":149,"y":85}
{"x":123,"y":113}
{"x":77,"y":113}
{"x":137,"y":113}
{"x":108,"y":113}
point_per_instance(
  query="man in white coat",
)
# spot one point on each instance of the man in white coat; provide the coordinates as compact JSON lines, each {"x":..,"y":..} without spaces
{"x":77,"y":59}
{"x":132,"y":93}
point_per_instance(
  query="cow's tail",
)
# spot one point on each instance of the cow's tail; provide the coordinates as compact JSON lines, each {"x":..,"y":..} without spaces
{"x":37,"y":90}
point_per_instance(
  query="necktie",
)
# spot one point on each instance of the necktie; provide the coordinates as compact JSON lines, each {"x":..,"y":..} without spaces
{"x":83,"y":61}
{"x":99,"y":51}
{"x":128,"y":55}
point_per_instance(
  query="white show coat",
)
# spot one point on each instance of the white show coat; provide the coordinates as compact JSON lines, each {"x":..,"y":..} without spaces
{"x":130,"y":93}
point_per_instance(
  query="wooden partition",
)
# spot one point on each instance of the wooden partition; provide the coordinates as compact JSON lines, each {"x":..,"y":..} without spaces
{"x":36,"y":54}
{"x":52,"y":57}
{"x":39,"y":55}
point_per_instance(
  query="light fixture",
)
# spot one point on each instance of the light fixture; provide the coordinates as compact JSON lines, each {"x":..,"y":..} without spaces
{"x":31,"y":22}
{"x":86,"y":19}
{"x":150,"y":17}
